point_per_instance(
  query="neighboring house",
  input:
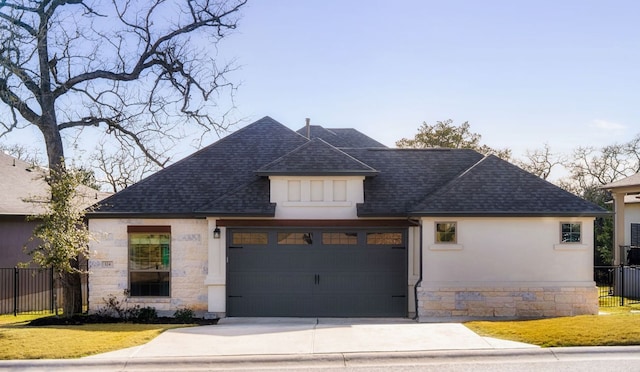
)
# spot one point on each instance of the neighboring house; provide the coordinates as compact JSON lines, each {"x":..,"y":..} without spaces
{"x":626,"y":199}
{"x":267,"y":222}
{"x":24,"y":193}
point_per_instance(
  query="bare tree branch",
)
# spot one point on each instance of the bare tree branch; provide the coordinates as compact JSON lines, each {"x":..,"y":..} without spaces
{"x":125,"y":67}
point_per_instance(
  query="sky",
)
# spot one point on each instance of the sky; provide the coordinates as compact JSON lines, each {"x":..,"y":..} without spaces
{"x":522,"y":73}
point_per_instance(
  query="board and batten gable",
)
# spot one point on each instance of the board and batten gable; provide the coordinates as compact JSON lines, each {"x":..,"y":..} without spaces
{"x":507,"y":267}
{"x":331,"y":197}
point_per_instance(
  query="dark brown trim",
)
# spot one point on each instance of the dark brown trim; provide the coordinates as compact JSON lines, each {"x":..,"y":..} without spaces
{"x":148,"y":229}
{"x":315,"y":223}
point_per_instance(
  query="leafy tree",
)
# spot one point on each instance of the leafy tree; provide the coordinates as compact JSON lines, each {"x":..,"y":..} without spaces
{"x":138,"y":71}
{"x":446,"y":134}
{"x":63,"y":236}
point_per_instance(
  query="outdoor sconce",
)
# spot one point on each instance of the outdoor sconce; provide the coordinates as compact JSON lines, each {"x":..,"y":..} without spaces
{"x":216,"y":233}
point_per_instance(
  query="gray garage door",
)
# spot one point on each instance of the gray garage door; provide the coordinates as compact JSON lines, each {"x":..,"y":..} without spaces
{"x":309,"y":273}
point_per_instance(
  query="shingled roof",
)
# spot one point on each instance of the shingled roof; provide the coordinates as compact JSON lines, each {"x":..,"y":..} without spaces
{"x":229,"y":178}
{"x":316,"y":158}
{"x":495,"y":187}
{"x":341,"y":137}
{"x":194,"y":183}
{"x":25,"y":192}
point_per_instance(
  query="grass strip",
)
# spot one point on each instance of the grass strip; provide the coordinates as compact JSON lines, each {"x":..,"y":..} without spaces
{"x":617,"y":327}
{"x":19,"y":341}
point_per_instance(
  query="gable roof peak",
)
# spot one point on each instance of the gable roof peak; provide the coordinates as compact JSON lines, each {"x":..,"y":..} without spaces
{"x":341,"y":137}
{"x":314,"y":158}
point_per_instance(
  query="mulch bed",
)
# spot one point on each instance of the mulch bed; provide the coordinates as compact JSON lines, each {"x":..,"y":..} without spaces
{"x":81,"y":319}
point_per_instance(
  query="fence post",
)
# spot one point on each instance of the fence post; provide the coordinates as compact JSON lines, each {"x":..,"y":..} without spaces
{"x":622,"y":284}
{"x":16,"y":275}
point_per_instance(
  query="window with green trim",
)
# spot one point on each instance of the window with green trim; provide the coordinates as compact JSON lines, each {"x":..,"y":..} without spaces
{"x":149,"y":264}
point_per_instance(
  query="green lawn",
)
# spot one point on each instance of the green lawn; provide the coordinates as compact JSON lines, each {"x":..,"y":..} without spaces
{"x":615,"y":326}
{"x":19,"y":341}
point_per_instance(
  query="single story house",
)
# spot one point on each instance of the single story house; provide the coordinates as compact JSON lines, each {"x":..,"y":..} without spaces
{"x":626,"y":201}
{"x":329,"y":222}
{"x":25,"y":193}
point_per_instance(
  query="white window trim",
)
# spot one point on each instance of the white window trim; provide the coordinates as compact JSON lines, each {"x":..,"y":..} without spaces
{"x":446,"y":247}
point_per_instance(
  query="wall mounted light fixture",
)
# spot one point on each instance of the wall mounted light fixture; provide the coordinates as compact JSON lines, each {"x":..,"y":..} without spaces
{"x":216,"y":233}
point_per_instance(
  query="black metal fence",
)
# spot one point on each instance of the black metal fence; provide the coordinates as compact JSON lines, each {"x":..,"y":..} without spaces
{"x":618,"y":285}
{"x":33,"y":291}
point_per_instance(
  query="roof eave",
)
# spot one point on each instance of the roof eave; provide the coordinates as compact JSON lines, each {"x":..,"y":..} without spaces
{"x":317,"y":173}
{"x":149,"y":215}
{"x":510,"y":214}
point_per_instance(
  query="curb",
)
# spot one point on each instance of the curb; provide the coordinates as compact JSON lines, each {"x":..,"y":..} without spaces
{"x":335,"y":360}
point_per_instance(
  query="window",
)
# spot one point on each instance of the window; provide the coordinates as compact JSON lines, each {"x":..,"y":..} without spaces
{"x":339,"y":238}
{"x":249,"y":238}
{"x":385,"y":238}
{"x":295,"y":238}
{"x":570,"y":232}
{"x":149,"y":260}
{"x":445,"y":232}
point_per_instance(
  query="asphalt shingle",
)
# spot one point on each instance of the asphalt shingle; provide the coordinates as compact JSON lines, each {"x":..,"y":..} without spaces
{"x":315,"y":158}
{"x":228,"y":178}
{"x":496,"y":187}
{"x":192,"y":183}
{"x":341,"y":137}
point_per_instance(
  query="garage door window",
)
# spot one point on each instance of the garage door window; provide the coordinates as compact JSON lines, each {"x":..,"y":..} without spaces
{"x":295,"y":238}
{"x":339,"y":238}
{"x":149,"y":263}
{"x":384,"y":238}
{"x":250,"y":238}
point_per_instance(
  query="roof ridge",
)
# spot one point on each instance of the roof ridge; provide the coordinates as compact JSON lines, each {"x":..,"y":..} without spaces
{"x":264,"y":170}
{"x":453,"y":180}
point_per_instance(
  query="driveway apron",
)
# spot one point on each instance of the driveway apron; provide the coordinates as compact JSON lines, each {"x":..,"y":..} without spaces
{"x":280,"y":336}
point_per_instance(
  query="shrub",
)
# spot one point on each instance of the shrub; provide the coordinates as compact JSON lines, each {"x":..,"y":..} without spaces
{"x":184,"y":315}
{"x":115,"y":308}
{"x":145,"y":315}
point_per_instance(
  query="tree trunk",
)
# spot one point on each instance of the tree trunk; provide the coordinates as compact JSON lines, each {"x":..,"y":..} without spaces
{"x":71,"y":294}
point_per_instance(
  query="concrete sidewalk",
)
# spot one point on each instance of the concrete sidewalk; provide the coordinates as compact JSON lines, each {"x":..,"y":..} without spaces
{"x":296,"y":336}
{"x":249,"y":344}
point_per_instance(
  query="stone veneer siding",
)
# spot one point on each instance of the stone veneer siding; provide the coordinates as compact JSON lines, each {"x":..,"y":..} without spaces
{"x":108,"y":265}
{"x":463,"y":303}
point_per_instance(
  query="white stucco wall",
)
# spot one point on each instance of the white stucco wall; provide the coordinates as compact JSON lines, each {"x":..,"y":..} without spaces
{"x":631,"y":215}
{"x":508,"y":249}
{"x":108,"y":264}
{"x":309,"y":207}
{"x":507,"y":267}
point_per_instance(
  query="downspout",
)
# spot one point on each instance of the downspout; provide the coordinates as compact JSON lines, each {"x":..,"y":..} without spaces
{"x":419,"y":282}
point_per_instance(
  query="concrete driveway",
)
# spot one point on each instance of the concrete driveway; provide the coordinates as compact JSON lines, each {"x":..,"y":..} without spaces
{"x":287,"y":336}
